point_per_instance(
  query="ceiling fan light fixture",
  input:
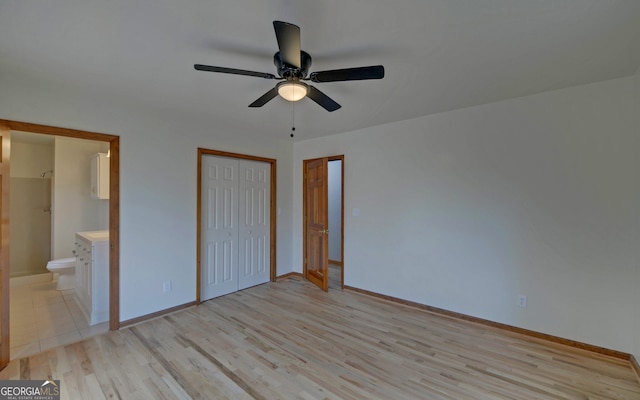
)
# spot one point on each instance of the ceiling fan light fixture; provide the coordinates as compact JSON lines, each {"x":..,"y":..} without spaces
{"x":292,"y":90}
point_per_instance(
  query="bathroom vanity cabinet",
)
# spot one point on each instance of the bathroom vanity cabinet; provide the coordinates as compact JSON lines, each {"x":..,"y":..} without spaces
{"x":92,"y":275}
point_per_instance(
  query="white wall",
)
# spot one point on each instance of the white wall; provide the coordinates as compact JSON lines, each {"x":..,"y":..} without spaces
{"x":527,"y":196}
{"x":158,"y":185}
{"x":73,"y":208}
{"x":30,"y":160}
{"x":158,"y":209}
{"x":464,"y":210}
{"x":335,"y":209}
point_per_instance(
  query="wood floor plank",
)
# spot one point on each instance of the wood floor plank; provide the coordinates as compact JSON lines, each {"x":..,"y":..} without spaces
{"x":290,"y":340}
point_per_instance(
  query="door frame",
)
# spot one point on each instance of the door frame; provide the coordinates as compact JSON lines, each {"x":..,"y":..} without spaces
{"x":304,"y":215}
{"x":6,"y":126}
{"x":273,"y":211}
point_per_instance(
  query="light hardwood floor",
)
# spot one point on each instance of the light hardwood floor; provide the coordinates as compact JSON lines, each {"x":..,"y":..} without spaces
{"x":290,"y":340}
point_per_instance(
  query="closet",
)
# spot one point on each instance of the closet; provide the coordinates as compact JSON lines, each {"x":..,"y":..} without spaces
{"x":235,"y":225}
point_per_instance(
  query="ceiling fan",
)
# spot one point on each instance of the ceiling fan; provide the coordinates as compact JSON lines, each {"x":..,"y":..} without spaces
{"x":293,"y":66}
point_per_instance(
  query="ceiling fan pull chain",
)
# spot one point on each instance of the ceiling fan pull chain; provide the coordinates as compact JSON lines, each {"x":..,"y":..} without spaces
{"x":293,"y":118}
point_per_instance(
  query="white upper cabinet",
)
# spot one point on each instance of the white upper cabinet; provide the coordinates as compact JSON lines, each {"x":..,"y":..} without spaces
{"x":100,"y":176}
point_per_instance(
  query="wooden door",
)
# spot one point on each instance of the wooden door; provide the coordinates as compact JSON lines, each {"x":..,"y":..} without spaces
{"x":219,"y":247}
{"x":5,"y":146}
{"x":316,"y":257}
{"x":254,"y":223}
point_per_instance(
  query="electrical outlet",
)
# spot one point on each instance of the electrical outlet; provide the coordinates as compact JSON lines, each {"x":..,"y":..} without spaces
{"x":522,"y":301}
{"x":166,"y":287}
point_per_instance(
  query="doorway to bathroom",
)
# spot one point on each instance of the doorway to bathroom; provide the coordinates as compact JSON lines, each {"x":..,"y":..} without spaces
{"x":50,"y":201}
{"x":110,"y":218}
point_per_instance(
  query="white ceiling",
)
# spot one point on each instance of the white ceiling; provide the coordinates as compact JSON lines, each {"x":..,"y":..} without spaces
{"x":438,"y":54}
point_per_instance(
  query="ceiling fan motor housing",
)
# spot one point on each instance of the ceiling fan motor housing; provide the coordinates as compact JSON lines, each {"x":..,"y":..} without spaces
{"x":291,"y":71}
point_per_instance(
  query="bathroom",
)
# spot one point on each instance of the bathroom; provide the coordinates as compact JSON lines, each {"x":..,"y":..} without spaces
{"x":50,"y":200}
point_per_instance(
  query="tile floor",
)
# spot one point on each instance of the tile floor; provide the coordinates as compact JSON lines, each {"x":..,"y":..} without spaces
{"x":335,"y":276}
{"x":42,"y":317}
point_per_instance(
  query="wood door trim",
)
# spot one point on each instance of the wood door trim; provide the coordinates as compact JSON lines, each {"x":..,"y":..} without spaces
{"x":5,"y":150}
{"x":53,"y":130}
{"x":114,"y":201}
{"x":273,"y":210}
{"x":304,"y":217}
{"x":635,"y":365}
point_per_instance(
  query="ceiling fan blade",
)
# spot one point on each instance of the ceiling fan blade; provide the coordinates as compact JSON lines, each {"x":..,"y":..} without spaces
{"x":264,"y":99}
{"x":234,"y":71}
{"x":288,"y":36}
{"x":322,"y":99}
{"x":348,"y":74}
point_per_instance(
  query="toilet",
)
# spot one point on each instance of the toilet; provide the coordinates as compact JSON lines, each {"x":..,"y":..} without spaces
{"x":66,"y":270}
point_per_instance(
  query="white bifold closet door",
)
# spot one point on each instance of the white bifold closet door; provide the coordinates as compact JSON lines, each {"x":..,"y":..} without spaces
{"x":236,"y":203}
